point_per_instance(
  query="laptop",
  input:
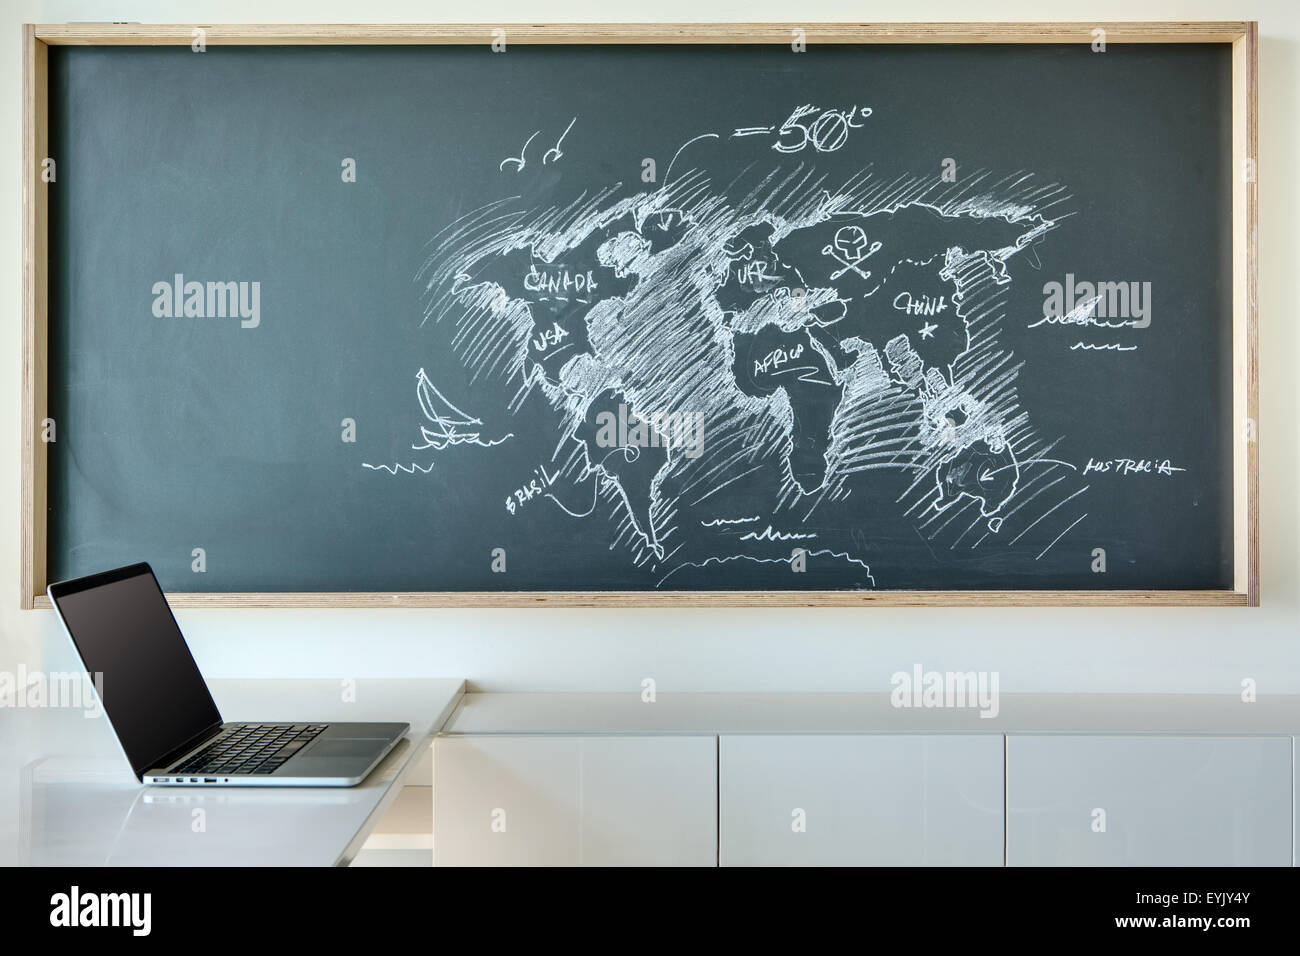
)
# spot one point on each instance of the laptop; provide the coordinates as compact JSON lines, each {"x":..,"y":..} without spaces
{"x":163,"y":715}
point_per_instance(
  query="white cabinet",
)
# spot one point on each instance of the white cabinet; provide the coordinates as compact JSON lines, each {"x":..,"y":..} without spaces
{"x":844,"y":779}
{"x":575,"y":801}
{"x":1149,"y":801}
{"x":861,"y":800}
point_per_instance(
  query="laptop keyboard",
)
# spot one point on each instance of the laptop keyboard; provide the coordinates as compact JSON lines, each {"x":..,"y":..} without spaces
{"x":251,"y":749}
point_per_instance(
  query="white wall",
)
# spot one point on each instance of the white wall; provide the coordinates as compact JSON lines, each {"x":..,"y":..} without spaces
{"x":1152,"y":650}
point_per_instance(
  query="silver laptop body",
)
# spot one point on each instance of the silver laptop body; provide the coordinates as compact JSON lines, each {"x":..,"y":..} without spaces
{"x":299,"y":755}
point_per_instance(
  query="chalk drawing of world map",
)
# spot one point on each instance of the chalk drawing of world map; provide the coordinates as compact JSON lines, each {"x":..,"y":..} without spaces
{"x":729,"y":367}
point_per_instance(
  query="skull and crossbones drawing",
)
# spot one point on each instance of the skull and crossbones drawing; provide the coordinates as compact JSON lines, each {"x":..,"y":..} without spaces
{"x":850,"y":248}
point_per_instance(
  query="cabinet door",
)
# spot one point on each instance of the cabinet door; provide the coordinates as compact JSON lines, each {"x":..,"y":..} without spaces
{"x":861,"y":800}
{"x":575,"y":801}
{"x":1149,"y":801}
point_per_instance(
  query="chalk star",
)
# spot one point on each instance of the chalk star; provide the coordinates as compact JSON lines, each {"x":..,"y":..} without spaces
{"x":927,"y":330}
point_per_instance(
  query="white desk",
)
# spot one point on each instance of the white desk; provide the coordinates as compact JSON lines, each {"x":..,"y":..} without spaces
{"x":71,"y":800}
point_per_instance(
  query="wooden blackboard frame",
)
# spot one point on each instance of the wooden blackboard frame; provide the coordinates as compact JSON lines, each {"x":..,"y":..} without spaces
{"x":1242,"y":36}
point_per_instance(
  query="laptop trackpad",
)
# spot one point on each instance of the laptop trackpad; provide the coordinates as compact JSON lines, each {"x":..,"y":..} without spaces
{"x":338,"y":757}
{"x":347,"y":747}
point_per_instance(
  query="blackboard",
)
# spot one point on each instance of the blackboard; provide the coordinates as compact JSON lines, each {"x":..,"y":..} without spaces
{"x":658,"y":318}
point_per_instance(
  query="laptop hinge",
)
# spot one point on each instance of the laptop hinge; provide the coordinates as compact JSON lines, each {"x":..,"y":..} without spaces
{"x":172,"y":756}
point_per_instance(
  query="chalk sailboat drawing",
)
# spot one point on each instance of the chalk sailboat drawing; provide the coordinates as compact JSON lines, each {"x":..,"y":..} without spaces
{"x":447,"y":420}
{"x":448,"y":426}
{"x":834,"y":337}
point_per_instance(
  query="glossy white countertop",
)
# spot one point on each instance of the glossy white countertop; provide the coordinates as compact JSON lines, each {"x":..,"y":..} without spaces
{"x":855,"y":713}
{"x":68,"y":797}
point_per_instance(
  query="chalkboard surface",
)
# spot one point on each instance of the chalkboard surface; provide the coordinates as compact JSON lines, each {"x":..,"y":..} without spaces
{"x":642,"y":318}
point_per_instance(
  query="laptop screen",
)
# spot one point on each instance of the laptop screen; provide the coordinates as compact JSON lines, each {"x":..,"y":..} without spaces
{"x":153,"y":693}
